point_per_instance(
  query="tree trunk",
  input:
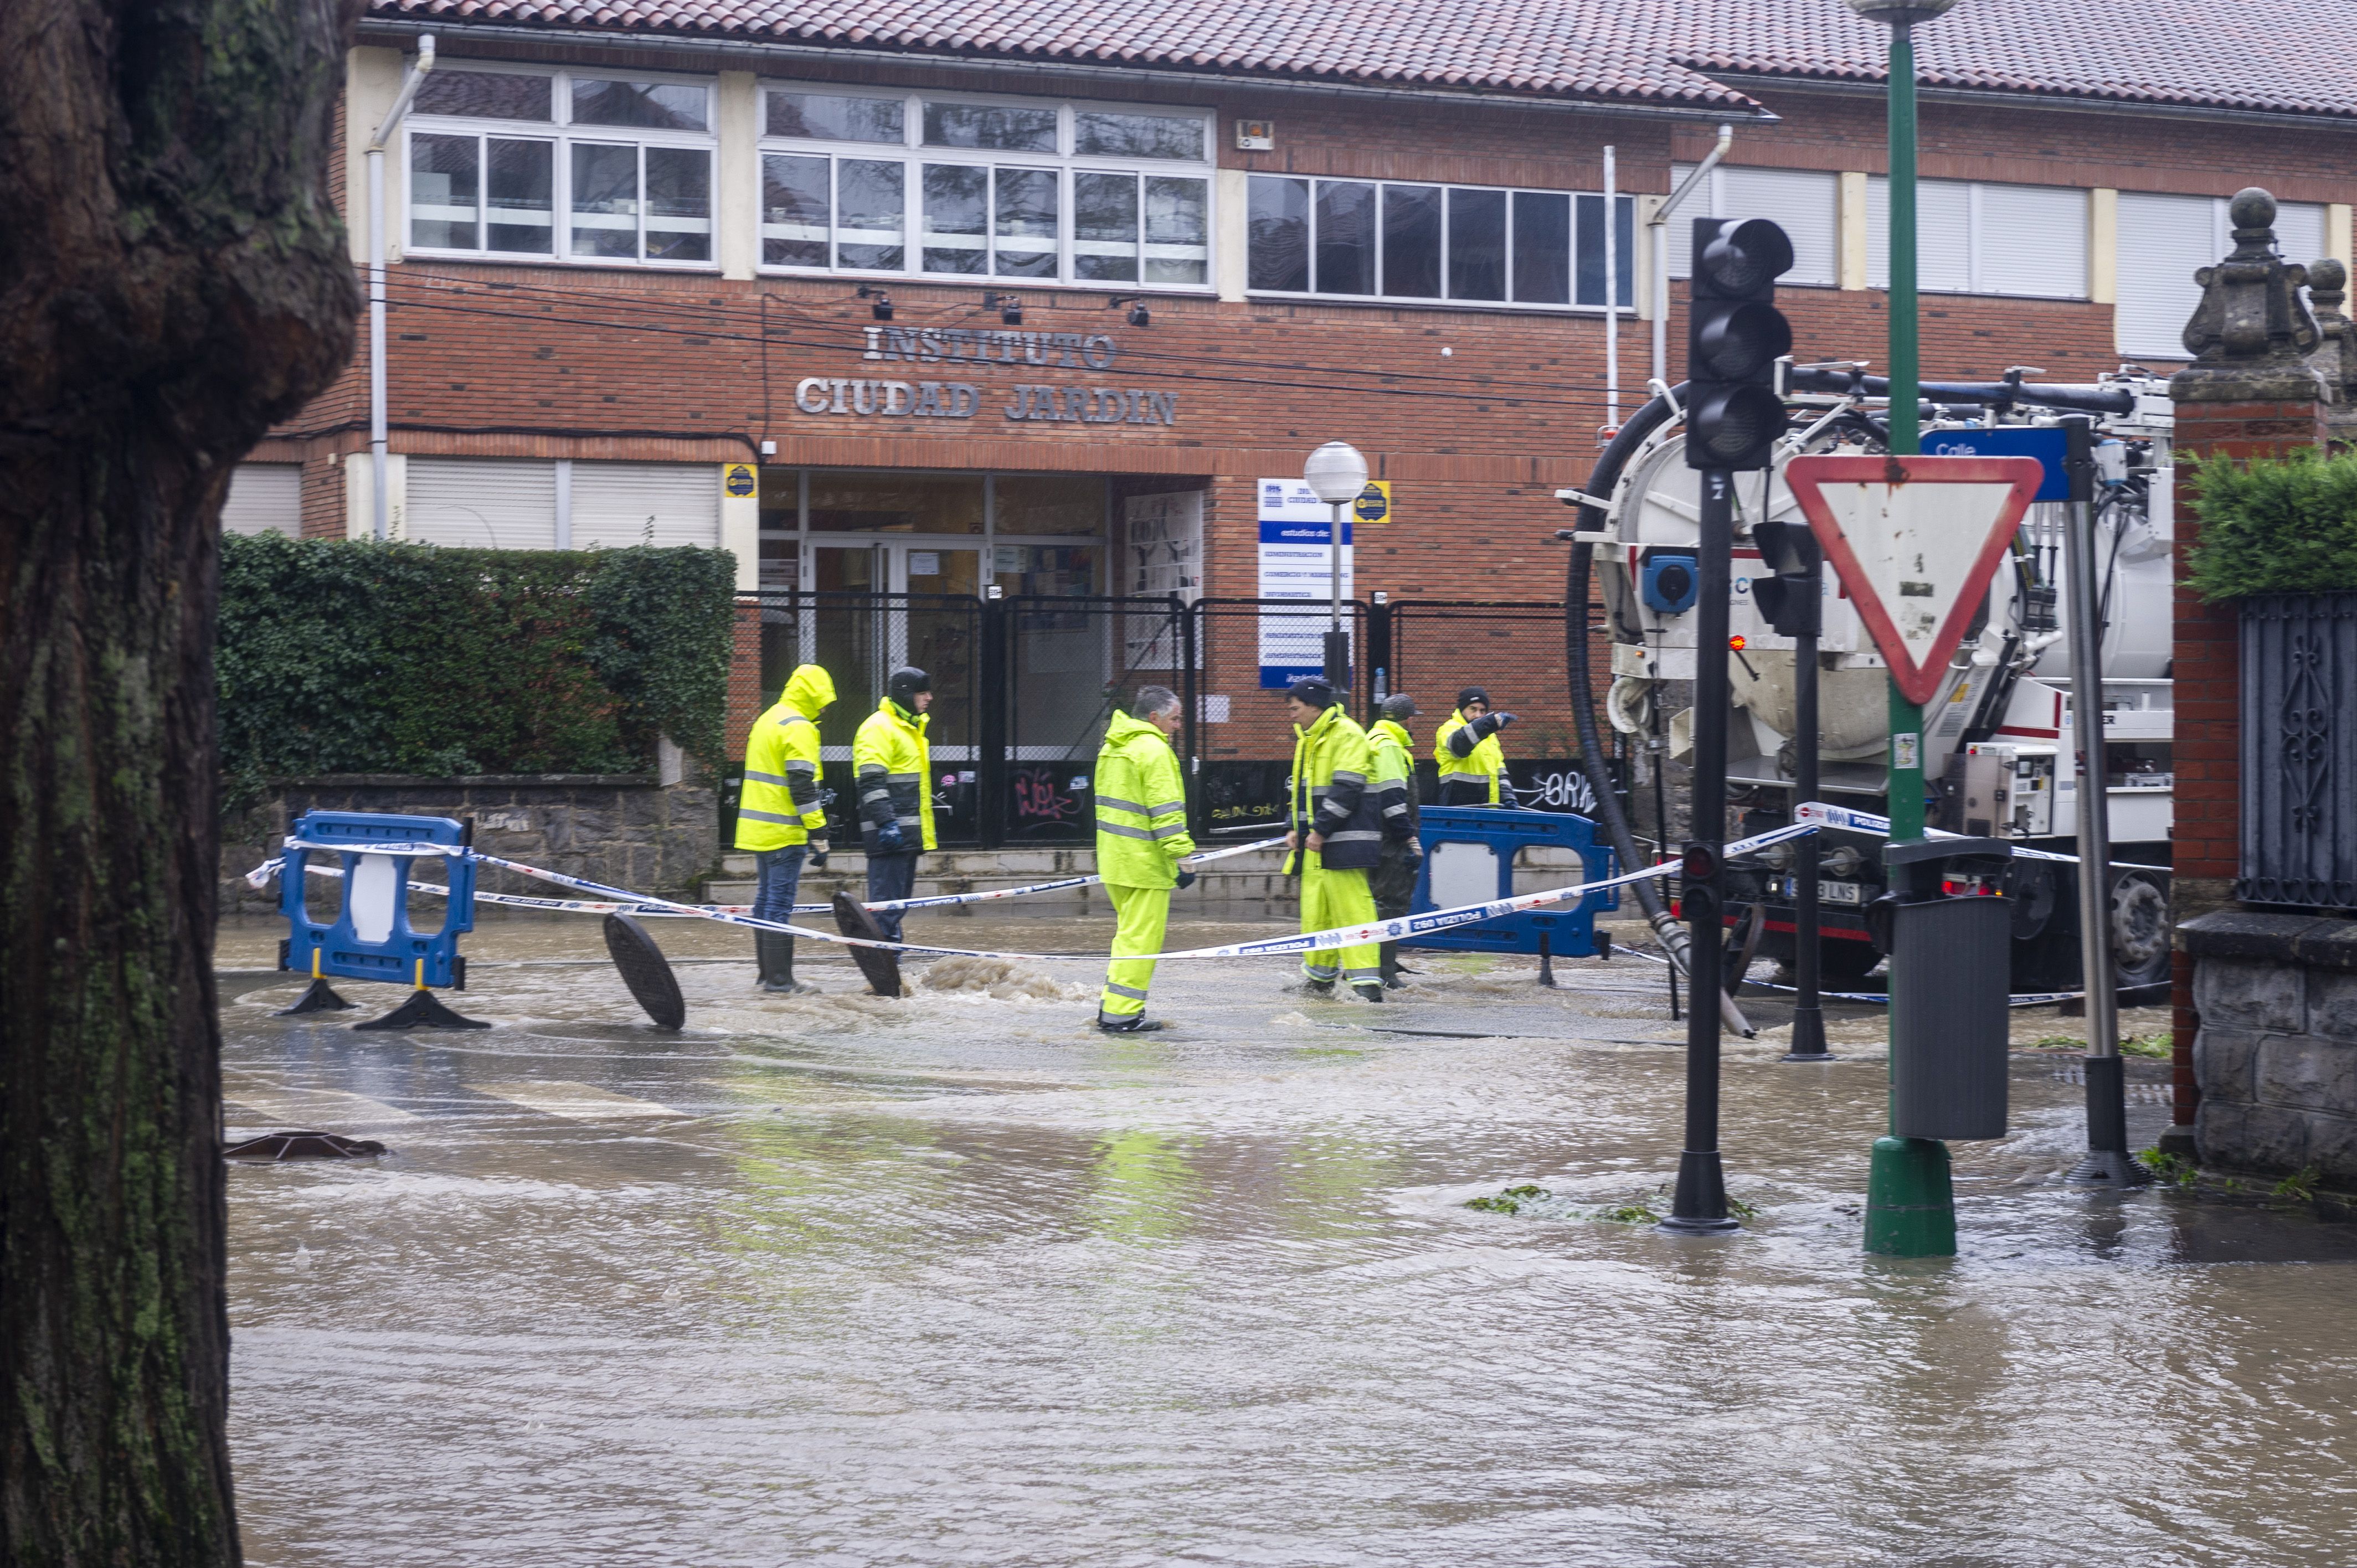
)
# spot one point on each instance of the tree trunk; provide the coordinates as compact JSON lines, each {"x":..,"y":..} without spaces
{"x":172,"y":279}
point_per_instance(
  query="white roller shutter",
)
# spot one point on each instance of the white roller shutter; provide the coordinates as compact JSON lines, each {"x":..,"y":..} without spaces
{"x":2163,"y":239}
{"x":2299,"y":232}
{"x":2032,"y":239}
{"x":1804,"y":201}
{"x":1972,"y":238}
{"x":264,"y":497}
{"x":619,"y":504}
{"x":482,"y":503}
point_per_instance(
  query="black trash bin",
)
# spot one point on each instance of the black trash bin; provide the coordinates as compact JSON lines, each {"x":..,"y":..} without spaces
{"x":1949,"y":931}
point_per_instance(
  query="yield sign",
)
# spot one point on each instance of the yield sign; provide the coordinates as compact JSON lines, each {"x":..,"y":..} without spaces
{"x":1915,"y":541}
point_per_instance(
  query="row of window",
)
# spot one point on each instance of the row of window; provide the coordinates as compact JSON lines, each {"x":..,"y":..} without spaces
{"x":1377,"y":238}
{"x":2026,"y":241}
{"x":531,"y":162}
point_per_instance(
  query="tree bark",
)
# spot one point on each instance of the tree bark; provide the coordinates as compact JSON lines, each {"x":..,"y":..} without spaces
{"x":172,"y":279}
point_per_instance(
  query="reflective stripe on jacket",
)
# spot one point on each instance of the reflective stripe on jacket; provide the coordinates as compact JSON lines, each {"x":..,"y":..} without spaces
{"x":780,"y":805}
{"x":1487,"y":757}
{"x":1394,"y":779}
{"x":1329,"y":793}
{"x":1141,"y":803}
{"x":892,"y":768}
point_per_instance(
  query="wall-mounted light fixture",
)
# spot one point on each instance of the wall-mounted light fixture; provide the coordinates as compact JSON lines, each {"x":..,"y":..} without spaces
{"x":1139,"y":315}
{"x":882,"y":308}
{"x":1009,"y":308}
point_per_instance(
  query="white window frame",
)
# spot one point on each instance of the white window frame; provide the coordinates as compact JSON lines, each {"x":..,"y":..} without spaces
{"x":1443,"y":301}
{"x":912,"y":153}
{"x":563,"y":135}
{"x":1975,"y":241}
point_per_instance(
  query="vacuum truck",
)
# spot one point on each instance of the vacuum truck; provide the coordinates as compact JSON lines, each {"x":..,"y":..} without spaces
{"x":1999,"y":736}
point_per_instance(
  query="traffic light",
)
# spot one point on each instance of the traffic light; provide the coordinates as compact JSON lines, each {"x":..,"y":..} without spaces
{"x":1734,"y":335}
{"x":1790,"y":599}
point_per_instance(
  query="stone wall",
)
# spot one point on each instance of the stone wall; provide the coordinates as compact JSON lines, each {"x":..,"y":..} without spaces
{"x":626,"y":830}
{"x":2276,"y":1054}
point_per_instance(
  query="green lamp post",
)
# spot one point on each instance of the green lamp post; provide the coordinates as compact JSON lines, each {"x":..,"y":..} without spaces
{"x":1911,"y":1209}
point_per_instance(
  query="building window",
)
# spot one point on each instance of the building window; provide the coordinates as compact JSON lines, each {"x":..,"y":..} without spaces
{"x":1058,"y":193}
{"x":2163,"y":239}
{"x":1975,"y":238}
{"x":561,"y":167}
{"x":1803,"y":201}
{"x":489,"y":504}
{"x":264,"y":497}
{"x":1357,"y":238}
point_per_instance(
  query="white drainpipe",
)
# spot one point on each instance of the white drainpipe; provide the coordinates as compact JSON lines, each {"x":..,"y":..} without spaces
{"x":1659,"y":223}
{"x":410,"y":81}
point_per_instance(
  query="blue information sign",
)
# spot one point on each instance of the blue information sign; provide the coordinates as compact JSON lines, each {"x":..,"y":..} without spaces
{"x":2041,"y":442}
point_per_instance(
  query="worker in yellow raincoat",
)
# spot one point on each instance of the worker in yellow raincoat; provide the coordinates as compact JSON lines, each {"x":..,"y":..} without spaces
{"x":1141,"y":806}
{"x":1472,"y":764}
{"x":782,"y":815}
{"x":1336,"y":835}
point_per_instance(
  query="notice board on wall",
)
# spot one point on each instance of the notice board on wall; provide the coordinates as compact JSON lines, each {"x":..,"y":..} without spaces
{"x":1296,"y":561}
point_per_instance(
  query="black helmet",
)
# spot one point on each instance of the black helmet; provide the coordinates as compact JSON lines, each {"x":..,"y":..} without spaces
{"x":1399,"y":707}
{"x":1315,"y":690}
{"x":906,"y":683}
{"x":1473,"y":695}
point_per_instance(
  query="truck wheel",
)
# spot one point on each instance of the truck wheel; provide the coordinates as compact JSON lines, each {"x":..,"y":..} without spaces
{"x":2139,"y":931}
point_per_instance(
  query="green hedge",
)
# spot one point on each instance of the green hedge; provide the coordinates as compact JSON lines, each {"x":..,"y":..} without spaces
{"x":2275,"y":525}
{"x":364,"y":658}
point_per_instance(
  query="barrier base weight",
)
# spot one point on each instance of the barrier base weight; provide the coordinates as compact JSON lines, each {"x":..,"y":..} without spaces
{"x":423,"y":1010}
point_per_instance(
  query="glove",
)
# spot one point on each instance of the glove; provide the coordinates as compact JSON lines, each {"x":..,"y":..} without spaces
{"x":890,"y":839}
{"x":818,"y":852}
{"x":1186,"y":879}
{"x":1505,"y":719}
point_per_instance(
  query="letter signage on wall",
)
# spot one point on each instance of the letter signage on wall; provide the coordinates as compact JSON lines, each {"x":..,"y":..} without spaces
{"x":1029,"y":403}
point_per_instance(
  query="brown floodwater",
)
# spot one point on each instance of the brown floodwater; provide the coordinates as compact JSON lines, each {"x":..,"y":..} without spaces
{"x":956,"y":1280}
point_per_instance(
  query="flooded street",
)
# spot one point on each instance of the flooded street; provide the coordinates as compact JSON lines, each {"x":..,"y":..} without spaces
{"x":958,"y":1280}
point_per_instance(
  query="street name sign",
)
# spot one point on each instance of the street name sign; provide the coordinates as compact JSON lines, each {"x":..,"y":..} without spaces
{"x":1914,"y":541}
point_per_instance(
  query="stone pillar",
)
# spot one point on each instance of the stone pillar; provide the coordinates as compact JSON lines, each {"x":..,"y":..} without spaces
{"x":2336,"y":356}
{"x":2250,"y":391}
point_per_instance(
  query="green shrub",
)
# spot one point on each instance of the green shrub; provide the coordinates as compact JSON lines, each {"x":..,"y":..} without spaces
{"x":340,"y":657}
{"x":2275,"y":525}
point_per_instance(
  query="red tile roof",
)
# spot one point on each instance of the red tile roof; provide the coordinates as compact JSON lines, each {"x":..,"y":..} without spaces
{"x":2279,"y":55}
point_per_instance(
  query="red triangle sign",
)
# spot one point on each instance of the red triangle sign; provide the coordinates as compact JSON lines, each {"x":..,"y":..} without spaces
{"x":1915,"y":541}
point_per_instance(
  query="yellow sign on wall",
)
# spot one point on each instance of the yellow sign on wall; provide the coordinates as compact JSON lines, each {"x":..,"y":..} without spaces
{"x":1374,"y":502}
{"x":739,"y":479}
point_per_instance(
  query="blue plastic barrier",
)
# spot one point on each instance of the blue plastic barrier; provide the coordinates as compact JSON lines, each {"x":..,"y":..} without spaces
{"x":1469,"y":851}
{"x":370,"y":937}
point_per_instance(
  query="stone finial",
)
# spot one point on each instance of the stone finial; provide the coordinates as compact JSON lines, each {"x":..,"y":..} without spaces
{"x":2252,"y":332}
{"x":2336,"y":355}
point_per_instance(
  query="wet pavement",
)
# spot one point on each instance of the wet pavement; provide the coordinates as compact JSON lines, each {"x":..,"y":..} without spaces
{"x":957,"y":1279}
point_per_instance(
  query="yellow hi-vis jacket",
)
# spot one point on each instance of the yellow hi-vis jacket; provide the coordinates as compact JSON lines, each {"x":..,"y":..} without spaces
{"x":894,"y":770}
{"x":1487,"y":757}
{"x":1328,"y":794}
{"x":781,"y":806}
{"x":1141,"y":807}
{"x":1394,"y":779}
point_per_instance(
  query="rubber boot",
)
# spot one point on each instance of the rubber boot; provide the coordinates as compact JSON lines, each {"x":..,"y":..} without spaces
{"x":1391,"y":969}
{"x":1368,"y":990}
{"x":777,"y":953}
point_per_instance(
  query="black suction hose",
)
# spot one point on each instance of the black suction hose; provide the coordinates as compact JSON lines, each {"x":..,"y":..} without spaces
{"x":1656,"y":413}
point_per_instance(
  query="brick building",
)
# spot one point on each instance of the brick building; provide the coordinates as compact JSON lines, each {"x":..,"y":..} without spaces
{"x":634,"y":249}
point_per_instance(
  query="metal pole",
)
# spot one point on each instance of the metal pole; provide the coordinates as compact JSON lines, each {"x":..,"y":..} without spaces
{"x":1911,"y":1209}
{"x":1611,"y":297}
{"x":1808,"y":1009}
{"x":2107,"y":1162}
{"x":1700,"y":1205}
{"x":1337,"y":645}
{"x":1659,"y":224}
{"x":382,"y":513}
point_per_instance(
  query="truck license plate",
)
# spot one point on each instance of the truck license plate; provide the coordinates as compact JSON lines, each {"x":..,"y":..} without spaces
{"x":1828,"y":892}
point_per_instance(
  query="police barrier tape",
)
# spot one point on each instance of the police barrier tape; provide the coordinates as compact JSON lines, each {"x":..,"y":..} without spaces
{"x":260,"y":875}
{"x":1402,"y":929}
{"x":1826,"y":816}
{"x":1881,"y":998}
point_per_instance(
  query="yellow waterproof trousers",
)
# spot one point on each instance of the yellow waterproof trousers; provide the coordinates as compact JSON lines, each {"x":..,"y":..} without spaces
{"x":1143,"y":913}
{"x":1332,"y":898}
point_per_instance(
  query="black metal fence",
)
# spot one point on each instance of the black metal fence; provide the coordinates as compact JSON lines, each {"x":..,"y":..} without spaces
{"x":2299,"y":750}
{"x":1023,"y":688}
